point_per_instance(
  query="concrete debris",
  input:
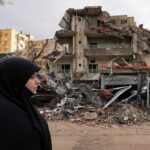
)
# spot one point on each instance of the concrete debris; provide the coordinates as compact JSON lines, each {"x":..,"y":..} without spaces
{"x":127,"y":114}
{"x":116,"y":96}
{"x":90,"y":115}
{"x":101,"y":74}
{"x":55,"y":55}
{"x":90,"y":96}
{"x":83,"y":104}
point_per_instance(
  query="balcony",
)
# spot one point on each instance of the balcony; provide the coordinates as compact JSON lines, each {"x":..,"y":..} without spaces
{"x":108,"y":49}
{"x":64,"y":34}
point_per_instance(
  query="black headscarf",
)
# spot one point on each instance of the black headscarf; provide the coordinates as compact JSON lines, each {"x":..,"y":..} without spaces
{"x":14,"y":73}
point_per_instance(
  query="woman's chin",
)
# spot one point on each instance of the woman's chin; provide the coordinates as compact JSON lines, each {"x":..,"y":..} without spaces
{"x":34,"y":92}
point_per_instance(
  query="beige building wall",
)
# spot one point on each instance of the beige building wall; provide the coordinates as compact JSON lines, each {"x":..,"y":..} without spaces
{"x":36,"y":46}
{"x":13,"y":41}
{"x":119,"y":18}
{"x":8,"y":41}
{"x":23,"y":44}
{"x":79,"y":61}
{"x":55,"y":67}
{"x":5,"y":38}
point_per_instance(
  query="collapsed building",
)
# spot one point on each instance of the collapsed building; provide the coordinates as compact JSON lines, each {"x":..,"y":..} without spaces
{"x":94,"y":42}
{"x":109,"y":51}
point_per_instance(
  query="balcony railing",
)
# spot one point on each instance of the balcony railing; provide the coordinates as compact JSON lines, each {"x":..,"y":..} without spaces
{"x":63,"y":71}
{"x":93,"y":70}
{"x":107,"y":50}
{"x":108,"y":46}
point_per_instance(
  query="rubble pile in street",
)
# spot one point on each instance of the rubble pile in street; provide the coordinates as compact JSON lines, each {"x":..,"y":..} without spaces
{"x":123,"y":114}
{"x":92,"y":106}
{"x":111,"y":52}
{"x":126,"y":114}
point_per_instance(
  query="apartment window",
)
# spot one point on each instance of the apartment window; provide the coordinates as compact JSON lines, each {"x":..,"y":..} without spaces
{"x":79,"y":19}
{"x":113,"y":21}
{"x":5,"y":34}
{"x":21,"y":45}
{"x":92,"y":45}
{"x":98,"y":23}
{"x":34,"y":54}
{"x":36,"y":50}
{"x":93,"y":68}
{"x":92,"y":61}
{"x":5,"y":49}
{"x":124,"y":21}
{"x":22,"y":38}
{"x":127,"y":60}
{"x":37,"y":44}
{"x":63,"y":68}
{"x":5,"y":43}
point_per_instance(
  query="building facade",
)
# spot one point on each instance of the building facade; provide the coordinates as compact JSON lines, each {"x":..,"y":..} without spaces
{"x":39,"y":49}
{"x":8,"y":41}
{"x":12,"y":41}
{"x":96,"y":41}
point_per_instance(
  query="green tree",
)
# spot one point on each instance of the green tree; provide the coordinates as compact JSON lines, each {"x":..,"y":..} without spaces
{"x":2,"y":2}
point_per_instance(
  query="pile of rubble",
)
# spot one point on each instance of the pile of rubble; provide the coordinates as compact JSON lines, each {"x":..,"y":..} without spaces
{"x":84,"y":104}
{"x":126,"y":114}
{"x":122,"y":114}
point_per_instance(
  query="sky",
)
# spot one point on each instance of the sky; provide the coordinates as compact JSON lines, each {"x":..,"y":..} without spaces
{"x":41,"y":17}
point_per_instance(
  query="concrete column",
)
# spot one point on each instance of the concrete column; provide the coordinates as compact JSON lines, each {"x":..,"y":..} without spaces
{"x":148,"y":81}
{"x":134,"y":43}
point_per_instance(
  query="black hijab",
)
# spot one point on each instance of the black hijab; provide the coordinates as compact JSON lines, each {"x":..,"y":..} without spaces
{"x":14,"y":73}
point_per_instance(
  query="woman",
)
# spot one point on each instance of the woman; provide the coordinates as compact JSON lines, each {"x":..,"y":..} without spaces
{"x":21,"y":126}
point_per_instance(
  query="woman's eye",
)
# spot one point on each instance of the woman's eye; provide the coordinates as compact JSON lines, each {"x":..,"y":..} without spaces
{"x":33,"y":76}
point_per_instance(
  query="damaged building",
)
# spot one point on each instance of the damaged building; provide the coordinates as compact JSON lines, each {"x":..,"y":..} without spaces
{"x":112,"y":53}
{"x":100,"y":47}
{"x":38,"y":49}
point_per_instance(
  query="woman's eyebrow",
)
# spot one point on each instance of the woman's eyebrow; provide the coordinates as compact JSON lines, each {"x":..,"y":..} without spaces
{"x":33,"y":76}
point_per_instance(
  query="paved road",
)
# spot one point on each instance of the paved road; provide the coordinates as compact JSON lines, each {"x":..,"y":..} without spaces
{"x":70,"y":136}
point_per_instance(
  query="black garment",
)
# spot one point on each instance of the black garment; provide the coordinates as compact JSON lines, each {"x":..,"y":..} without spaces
{"x":21,"y":126}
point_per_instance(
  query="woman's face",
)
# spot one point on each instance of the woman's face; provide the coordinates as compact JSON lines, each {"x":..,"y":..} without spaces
{"x":32,"y":84}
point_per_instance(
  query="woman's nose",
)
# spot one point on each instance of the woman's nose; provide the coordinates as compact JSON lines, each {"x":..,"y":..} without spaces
{"x":37,"y":81}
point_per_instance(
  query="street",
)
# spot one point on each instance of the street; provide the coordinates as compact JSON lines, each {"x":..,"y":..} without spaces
{"x":71,"y":136}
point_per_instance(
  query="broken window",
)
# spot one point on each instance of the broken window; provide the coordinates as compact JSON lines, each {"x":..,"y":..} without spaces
{"x":63,"y":68}
{"x":92,"y":61}
{"x":93,"y":68}
{"x":79,"y":19}
{"x":124,"y":21}
{"x":92,"y":45}
{"x":113,"y":21}
{"x":98,"y":23}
